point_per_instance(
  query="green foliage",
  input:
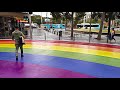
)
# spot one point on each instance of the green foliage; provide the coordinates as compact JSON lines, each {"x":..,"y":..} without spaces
{"x":96,"y":15}
{"x":56,"y":15}
{"x":79,"y":16}
{"x":99,"y":21}
{"x":36,"y":19}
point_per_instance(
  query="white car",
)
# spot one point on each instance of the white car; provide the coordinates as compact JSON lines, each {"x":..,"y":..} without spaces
{"x":28,"y":25}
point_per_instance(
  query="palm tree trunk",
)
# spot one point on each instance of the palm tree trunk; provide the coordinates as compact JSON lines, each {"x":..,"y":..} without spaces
{"x":101,"y":26}
{"x":72,"y":26}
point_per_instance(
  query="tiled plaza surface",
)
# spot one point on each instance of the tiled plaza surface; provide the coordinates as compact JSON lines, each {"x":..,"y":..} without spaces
{"x":60,"y":59}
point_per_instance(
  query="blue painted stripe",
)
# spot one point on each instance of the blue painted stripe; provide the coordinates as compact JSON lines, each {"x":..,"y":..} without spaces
{"x":89,"y":68}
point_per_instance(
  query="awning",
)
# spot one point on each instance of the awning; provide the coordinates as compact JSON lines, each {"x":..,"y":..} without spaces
{"x":13,"y":14}
{"x":20,"y":19}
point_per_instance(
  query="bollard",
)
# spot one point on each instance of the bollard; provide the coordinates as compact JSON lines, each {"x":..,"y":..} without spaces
{"x":45,"y":36}
{"x":57,"y":33}
{"x":54,"y":31}
{"x":74,"y":37}
{"x":60,"y":34}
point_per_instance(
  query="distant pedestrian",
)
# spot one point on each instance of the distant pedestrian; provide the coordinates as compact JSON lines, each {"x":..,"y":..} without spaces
{"x":18,"y":36}
{"x":111,"y":35}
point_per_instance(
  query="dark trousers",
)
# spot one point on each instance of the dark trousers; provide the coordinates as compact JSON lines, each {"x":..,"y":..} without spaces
{"x":17,"y":48}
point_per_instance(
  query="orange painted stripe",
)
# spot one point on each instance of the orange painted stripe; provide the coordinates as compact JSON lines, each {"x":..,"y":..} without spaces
{"x":12,"y":42}
{"x":66,"y":42}
{"x":84,"y":46}
{"x":69,"y":45}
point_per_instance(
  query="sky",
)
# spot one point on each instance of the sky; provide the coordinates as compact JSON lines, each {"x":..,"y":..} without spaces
{"x":43,"y":14}
{"x":48,"y":14}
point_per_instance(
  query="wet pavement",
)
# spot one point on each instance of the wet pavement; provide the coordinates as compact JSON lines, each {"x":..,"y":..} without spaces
{"x":54,"y":58}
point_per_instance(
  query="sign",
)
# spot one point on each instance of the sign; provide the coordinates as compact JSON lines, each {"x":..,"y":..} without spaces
{"x":22,"y":21}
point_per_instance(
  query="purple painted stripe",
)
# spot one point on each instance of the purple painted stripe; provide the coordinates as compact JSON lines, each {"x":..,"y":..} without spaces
{"x":9,"y":69}
{"x":80,"y":66}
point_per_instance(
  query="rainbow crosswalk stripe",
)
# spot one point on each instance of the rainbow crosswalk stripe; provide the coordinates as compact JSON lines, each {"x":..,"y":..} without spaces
{"x":61,"y":59}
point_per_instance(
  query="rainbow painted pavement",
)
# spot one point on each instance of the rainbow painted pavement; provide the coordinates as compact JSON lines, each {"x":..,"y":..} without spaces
{"x":60,"y":59}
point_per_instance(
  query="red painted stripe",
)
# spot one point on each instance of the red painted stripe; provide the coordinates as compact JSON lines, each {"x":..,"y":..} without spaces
{"x":113,"y":49}
{"x":65,"y":42}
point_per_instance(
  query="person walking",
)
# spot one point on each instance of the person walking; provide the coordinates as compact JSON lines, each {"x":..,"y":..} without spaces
{"x":112,"y":34}
{"x":18,"y":37}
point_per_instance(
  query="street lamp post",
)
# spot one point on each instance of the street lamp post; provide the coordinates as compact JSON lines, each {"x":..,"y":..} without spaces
{"x":83,"y":21}
{"x":72,"y":25}
{"x":41,"y":17}
{"x":90,"y":27}
{"x":64,"y":16}
{"x":47,"y":19}
{"x":30,"y":26}
{"x":109,"y":24}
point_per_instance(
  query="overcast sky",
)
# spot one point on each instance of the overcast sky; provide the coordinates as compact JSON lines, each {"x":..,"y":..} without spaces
{"x":43,"y":14}
{"x":48,"y":14}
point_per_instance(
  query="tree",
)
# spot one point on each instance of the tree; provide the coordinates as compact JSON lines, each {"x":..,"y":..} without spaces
{"x":56,"y":16}
{"x":111,"y":16}
{"x":79,"y":16}
{"x":101,"y":26}
{"x":68,"y":16}
{"x":106,"y":16}
{"x":109,"y":22}
{"x":36,"y":19}
{"x":96,"y":16}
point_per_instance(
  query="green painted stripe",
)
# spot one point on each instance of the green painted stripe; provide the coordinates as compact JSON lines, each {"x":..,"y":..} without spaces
{"x":79,"y":56}
{"x":7,"y":49}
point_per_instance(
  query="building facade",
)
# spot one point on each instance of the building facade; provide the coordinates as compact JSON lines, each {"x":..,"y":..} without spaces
{"x":8,"y":21}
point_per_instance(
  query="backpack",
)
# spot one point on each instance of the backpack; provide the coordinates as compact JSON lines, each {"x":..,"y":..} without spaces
{"x":21,"y":40}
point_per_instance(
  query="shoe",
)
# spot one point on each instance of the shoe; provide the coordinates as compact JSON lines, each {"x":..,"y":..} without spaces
{"x":16,"y":58}
{"x":22,"y":55}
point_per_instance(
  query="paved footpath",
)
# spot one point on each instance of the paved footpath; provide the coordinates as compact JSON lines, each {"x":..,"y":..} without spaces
{"x":40,"y":35}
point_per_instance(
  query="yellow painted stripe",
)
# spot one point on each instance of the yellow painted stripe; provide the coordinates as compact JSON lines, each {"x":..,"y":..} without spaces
{"x":69,"y":49}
